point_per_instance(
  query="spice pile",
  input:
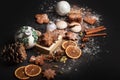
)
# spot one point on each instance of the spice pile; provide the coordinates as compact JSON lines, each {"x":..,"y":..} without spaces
{"x":69,"y":34}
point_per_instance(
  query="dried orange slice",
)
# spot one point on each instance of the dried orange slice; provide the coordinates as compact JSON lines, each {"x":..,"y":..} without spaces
{"x":73,"y":52}
{"x":65,"y":44}
{"x":32,"y":70}
{"x":20,"y":74}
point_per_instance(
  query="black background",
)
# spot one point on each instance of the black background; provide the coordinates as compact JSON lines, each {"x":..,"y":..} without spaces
{"x":108,"y":67}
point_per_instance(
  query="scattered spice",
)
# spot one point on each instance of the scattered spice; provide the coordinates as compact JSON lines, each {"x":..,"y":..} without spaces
{"x":94,"y":30}
{"x":77,"y":16}
{"x":63,"y":59}
{"x":93,"y":35}
{"x":90,"y":23}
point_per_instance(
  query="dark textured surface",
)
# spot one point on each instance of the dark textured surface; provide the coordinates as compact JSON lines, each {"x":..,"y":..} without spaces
{"x":20,"y":12}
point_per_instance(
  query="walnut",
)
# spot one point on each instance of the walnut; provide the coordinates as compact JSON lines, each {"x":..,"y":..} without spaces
{"x":42,"y":18}
{"x":49,"y":74}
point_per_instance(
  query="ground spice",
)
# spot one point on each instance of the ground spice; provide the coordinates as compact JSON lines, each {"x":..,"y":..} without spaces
{"x":88,"y":45}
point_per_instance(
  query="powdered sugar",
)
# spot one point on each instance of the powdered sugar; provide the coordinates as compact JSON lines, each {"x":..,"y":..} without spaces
{"x":91,"y":49}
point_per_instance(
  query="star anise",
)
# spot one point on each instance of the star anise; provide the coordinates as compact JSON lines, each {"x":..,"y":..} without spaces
{"x":49,"y":74}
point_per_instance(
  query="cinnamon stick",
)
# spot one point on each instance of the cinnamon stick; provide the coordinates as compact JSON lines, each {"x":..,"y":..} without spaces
{"x":89,"y":29}
{"x":94,"y":30}
{"x":93,"y":35}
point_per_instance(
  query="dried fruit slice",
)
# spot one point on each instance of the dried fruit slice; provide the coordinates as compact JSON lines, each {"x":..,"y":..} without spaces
{"x":65,"y":44}
{"x":20,"y":74}
{"x":73,"y":52}
{"x":32,"y":70}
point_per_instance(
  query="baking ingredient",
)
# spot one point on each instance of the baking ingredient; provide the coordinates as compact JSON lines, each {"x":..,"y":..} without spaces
{"x":32,"y":70}
{"x":27,"y":35}
{"x":95,"y":30}
{"x":73,"y":52}
{"x":20,"y":74}
{"x":85,"y":46}
{"x":63,"y":59}
{"x":65,"y":44}
{"x":95,"y":35}
{"x":63,"y":8}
